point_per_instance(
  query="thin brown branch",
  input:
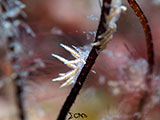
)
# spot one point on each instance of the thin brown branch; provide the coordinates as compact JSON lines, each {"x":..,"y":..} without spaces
{"x":87,"y":67}
{"x":150,"y":54}
{"x":142,"y":18}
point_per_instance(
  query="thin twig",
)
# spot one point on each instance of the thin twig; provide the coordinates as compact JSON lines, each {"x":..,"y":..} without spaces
{"x":19,"y":97}
{"x":87,"y":67}
{"x":142,"y":18}
{"x":150,"y":53}
{"x":18,"y":84}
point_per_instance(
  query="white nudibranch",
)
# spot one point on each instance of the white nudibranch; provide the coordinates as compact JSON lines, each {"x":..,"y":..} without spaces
{"x":111,"y":26}
{"x":76,"y":65}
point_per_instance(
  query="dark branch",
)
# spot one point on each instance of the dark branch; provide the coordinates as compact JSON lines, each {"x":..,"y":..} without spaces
{"x":150,"y":53}
{"x":142,"y":18}
{"x":19,"y":97}
{"x":87,"y":67}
